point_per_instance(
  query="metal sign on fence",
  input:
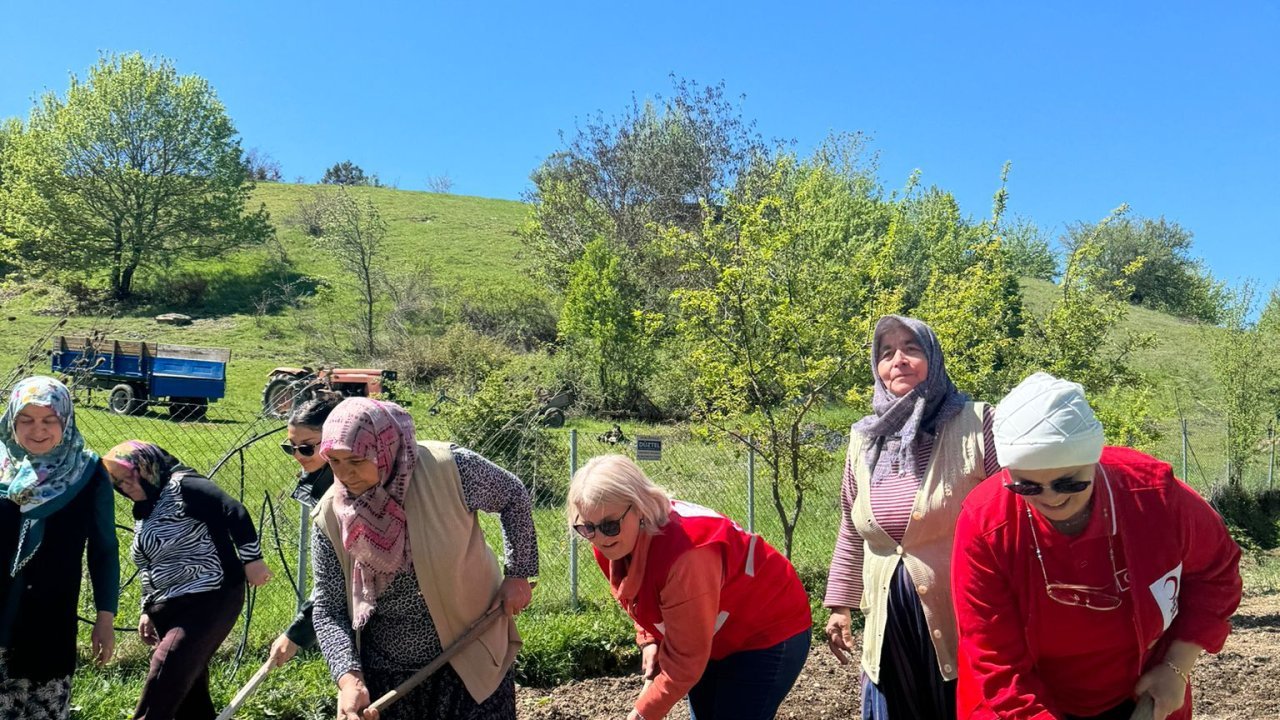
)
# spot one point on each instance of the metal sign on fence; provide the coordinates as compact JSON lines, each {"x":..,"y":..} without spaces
{"x":648,"y":448}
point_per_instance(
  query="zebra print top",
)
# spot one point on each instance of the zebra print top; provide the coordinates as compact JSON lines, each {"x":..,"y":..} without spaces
{"x":195,"y":539}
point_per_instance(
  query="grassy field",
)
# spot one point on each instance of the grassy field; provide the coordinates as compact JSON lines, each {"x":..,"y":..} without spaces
{"x":471,"y":243}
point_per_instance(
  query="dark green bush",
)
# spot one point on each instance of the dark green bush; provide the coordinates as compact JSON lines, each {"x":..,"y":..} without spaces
{"x":1253,"y":516}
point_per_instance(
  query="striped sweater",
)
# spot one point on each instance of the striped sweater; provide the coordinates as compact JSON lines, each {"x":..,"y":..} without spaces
{"x":891,"y":501}
{"x":195,"y":539}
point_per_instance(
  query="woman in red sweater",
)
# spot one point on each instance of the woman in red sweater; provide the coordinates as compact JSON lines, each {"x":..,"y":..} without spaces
{"x":1084,"y":577}
{"x":720,"y":615}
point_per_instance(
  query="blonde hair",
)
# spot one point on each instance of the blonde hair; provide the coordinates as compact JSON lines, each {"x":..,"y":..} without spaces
{"x":609,"y":479}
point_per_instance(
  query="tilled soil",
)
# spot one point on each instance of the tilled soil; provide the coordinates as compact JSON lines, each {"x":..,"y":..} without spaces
{"x":1240,"y":683}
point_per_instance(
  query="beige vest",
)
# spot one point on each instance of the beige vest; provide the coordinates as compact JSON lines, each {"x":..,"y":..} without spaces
{"x":457,"y":572}
{"x":955,"y":468}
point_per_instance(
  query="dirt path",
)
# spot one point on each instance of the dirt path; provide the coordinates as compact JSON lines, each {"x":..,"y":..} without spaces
{"x":1240,"y":683}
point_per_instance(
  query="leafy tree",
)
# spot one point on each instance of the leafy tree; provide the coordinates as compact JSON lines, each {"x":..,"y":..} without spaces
{"x":781,"y":293}
{"x":135,"y":167}
{"x":1027,"y":251}
{"x":1078,"y":339}
{"x":1269,"y":319}
{"x":1243,"y":356}
{"x":977,"y":309}
{"x":665,"y":162}
{"x":602,"y":323}
{"x":354,"y":233}
{"x":349,"y":174}
{"x":1166,"y":279}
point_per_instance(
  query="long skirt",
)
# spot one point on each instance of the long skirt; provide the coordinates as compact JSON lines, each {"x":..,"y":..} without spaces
{"x":21,"y":698}
{"x":911,"y":686}
{"x":442,"y":696}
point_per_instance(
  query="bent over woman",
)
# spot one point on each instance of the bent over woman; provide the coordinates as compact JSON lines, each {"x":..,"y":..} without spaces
{"x":1085,"y":576}
{"x":402,"y":568}
{"x":195,"y":547}
{"x":721,"y":617}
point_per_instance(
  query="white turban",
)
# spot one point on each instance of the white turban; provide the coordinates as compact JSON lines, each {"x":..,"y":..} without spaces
{"x":1045,"y":423}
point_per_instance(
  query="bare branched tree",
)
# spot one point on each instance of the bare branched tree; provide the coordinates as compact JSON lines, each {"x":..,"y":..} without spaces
{"x":442,"y":184}
{"x":354,"y":233}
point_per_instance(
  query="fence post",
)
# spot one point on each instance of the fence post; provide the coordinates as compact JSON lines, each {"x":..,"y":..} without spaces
{"x":1184,"y":451}
{"x":573,"y":535}
{"x":751,"y":485}
{"x":1271,"y":467}
{"x":304,"y":522}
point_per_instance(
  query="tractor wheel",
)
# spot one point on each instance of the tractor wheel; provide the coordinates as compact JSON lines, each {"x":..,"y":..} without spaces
{"x":124,"y":401}
{"x":188,"y":409}
{"x":552,"y":418}
{"x":278,"y":397}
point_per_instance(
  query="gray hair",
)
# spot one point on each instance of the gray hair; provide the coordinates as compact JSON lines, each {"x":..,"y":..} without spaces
{"x":609,"y":479}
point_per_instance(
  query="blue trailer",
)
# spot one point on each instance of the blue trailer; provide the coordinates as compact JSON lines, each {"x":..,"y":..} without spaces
{"x":139,"y":373}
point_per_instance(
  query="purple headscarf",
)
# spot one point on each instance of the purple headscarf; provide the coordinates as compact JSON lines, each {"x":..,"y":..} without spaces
{"x":901,"y":420}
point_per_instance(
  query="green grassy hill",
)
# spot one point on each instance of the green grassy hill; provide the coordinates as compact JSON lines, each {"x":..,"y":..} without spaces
{"x":467,"y":241}
{"x":471,"y":243}
{"x":1185,"y":386}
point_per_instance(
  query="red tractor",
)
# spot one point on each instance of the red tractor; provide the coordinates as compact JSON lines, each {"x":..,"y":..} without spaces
{"x":288,"y":386}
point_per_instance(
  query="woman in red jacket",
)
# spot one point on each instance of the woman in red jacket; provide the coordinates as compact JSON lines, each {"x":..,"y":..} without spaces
{"x":1084,"y":577}
{"x":720,"y":615}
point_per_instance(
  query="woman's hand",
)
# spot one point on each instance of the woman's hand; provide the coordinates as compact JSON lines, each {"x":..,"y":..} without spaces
{"x":103,"y":638}
{"x":840,"y":634}
{"x":353,"y":698}
{"x":257,"y":573}
{"x":649,"y":661}
{"x":282,"y":650}
{"x":147,"y":630}
{"x":1166,"y":687}
{"x":515,"y":594}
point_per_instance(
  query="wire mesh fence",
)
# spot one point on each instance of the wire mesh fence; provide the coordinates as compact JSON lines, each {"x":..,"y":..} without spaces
{"x":238,"y":447}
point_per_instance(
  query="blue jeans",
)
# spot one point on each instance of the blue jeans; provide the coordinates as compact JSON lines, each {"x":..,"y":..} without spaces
{"x":749,"y":685}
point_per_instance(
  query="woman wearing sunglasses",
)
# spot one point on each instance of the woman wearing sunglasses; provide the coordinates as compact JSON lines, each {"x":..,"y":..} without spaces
{"x":908,"y":468}
{"x":1085,"y":577}
{"x":302,"y":443}
{"x":720,"y":615}
{"x":402,"y":568}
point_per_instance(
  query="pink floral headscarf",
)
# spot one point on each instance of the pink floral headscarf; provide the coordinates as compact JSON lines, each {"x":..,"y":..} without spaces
{"x":373,"y":524}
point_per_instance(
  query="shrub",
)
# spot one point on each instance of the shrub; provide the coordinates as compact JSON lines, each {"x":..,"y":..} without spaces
{"x":500,"y":422}
{"x":1252,"y":516}
{"x":461,"y":357}
{"x":181,"y":290}
{"x":563,"y":647}
{"x":520,"y":315}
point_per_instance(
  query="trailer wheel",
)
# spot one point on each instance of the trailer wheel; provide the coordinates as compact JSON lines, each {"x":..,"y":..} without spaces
{"x":124,"y":401}
{"x":552,"y":417}
{"x":278,"y":397}
{"x":193,"y":409}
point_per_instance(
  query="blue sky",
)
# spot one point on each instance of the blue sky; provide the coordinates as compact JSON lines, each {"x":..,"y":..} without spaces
{"x":1172,"y":107}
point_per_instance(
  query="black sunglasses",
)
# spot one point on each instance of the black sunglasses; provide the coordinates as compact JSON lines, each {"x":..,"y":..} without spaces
{"x":305,"y":449}
{"x":608,"y":528}
{"x":1062,"y":486}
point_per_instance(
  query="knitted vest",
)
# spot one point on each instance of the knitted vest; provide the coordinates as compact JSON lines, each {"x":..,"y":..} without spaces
{"x":457,"y":572}
{"x":955,"y":468}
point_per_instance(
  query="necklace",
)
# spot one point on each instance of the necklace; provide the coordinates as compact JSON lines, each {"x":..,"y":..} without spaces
{"x":1073,"y":526}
